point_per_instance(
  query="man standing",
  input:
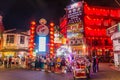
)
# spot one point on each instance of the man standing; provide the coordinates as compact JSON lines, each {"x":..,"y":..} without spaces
{"x":9,"y":62}
{"x":94,"y":64}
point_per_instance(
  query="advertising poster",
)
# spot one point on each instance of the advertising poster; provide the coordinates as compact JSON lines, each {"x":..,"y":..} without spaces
{"x":75,"y":28}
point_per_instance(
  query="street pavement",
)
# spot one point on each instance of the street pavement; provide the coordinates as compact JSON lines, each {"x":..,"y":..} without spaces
{"x":106,"y":72}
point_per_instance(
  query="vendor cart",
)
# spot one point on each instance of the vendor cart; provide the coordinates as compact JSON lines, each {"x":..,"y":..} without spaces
{"x":79,"y":73}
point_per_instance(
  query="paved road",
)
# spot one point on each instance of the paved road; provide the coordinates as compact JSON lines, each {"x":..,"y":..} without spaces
{"x":105,"y":73}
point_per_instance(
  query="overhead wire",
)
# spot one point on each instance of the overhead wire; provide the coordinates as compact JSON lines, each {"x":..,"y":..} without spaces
{"x":117,"y":2}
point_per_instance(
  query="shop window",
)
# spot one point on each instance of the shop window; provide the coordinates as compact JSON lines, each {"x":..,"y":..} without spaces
{"x":10,"y":39}
{"x":95,"y":42}
{"x":92,"y":42}
{"x":71,"y":42}
{"x":106,"y":42}
{"x":22,"y":39}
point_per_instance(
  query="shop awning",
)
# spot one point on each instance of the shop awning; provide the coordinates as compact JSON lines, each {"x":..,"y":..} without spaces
{"x":14,"y":50}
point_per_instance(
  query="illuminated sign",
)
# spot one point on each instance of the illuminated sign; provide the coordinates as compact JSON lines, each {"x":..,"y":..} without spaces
{"x":42,"y":30}
{"x":75,"y":34}
{"x":75,"y":28}
{"x":57,"y":38}
{"x":75,"y":12}
{"x":42,"y":21}
{"x":42,"y":44}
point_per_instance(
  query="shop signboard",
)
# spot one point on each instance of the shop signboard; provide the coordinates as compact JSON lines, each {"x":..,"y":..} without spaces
{"x":42,"y":30}
{"x":75,"y":34}
{"x":41,"y":39}
{"x":75,"y":23}
{"x":113,"y":29}
{"x":75,"y":12}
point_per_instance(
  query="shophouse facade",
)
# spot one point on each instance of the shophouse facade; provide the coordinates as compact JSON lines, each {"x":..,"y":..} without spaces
{"x":14,"y":43}
{"x":91,"y":23}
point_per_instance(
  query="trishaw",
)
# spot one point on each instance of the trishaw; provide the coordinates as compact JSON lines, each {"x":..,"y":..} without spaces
{"x":79,"y":72}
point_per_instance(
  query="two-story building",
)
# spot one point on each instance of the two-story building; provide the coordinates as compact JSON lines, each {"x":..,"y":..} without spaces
{"x":15,"y":43}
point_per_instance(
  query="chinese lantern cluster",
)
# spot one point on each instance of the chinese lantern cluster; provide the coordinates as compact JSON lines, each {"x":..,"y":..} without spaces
{"x":99,"y":11}
{"x":97,"y":19}
{"x":32,"y":36}
{"x":51,"y":39}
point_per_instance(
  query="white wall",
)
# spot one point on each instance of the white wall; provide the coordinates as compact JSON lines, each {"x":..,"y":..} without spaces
{"x":116,"y":48}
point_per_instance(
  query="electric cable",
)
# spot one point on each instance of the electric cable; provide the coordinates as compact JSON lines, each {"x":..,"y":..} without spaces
{"x":117,"y":2}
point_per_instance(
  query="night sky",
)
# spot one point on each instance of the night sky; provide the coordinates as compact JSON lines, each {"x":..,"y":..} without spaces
{"x":19,"y":13}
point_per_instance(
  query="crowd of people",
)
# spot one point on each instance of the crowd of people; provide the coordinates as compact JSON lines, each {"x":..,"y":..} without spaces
{"x":45,"y":63}
{"x":55,"y":64}
{"x":10,"y":62}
